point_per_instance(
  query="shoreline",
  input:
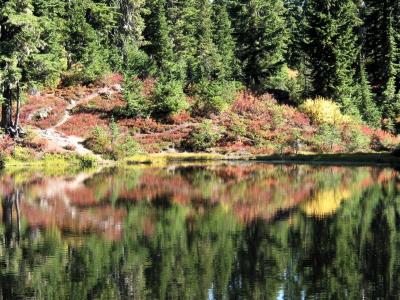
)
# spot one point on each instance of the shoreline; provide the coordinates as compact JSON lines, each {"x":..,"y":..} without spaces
{"x":162,"y":159}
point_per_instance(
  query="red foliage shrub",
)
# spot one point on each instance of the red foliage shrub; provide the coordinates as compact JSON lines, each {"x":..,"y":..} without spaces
{"x":247,"y":103}
{"x":380,"y":140}
{"x":82,"y":124}
{"x":180,"y":118}
{"x":111,"y":79}
{"x":142,"y":125}
{"x":6,"y":145}
{"x":148,"y":87}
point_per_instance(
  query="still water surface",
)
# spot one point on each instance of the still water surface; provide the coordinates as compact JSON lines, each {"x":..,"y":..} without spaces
{"x":236,"y":231}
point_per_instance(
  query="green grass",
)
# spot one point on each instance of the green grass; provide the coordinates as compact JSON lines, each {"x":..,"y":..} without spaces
{"x":68,"y":161}
{"x":52,"y":161}
{"x":165,"y":158}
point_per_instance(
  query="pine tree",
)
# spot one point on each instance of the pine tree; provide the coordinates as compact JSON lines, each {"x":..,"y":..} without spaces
{"x":88,"y":24}
{"x":366,"y":104}
{"x":47,"y":65}
{"x":19,"y":40}
{"x":261,"y":37}
{"x":295,"y":23}
{"x":332,"y":49}
{"x":181,"y":16}
{"x":223,"y":39}
{"x":127,"y":37}
{"x":160,"y":44}
{"x":205,"y":63}
{"x":381,"y":48}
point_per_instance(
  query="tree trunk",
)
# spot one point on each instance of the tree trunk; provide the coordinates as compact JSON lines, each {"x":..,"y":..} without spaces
{"x":16,"y":122}
{"x":6,"y":108}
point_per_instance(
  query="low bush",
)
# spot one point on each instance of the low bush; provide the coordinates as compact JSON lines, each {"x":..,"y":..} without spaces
{"x":324,"y":111}
{"x":326,"y":138}
{"x":354,"y":139}
{"x":22,"y":154}
{"x":111,"y":143}
{"x":169,"y":97}
{"x":87,"y":161}
{"x":126,"y":146}
{"x":99,"y":140}
{"x":204,"y":137}
{"x":213,"y":97}
{"x":137,"y":105}
{"x":7,"y":145}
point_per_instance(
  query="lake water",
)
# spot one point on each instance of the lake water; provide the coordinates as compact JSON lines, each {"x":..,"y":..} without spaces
{"x":218,"y":231}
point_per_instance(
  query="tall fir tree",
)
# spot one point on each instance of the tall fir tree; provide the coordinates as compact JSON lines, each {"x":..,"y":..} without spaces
{"x":370,"y":112}
{"x":332,"y":49}
{"x":261,"y":37}
{"x":47,"y":65}
{"x":181,"y":16}
{"x":159,"y":43}
{"x":205,"y":62}
{"x":19,"y":40}
{"x":88,"y":24}
{"x":127,"y":37}
{"x":295,"y":24}
{"x":381,"y":48}
{"x":223,"y":39}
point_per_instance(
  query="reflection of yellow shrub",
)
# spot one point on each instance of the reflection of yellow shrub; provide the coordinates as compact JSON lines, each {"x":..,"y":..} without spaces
{"x":326,"y":202}
{"x":324,"y":111}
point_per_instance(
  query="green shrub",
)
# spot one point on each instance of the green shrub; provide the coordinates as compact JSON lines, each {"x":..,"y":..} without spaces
{"x":125,"y":147}
{"x":213,"y":97}
{"x":111,"y":143}
{"x":327,"y":137}
{"x":22,"y":154}
{"x":137,"y":105}
{"x":87,"y":161}
{"x":203,"y":137}
{"x":354,"y":139}
{"x":99,"y":140}
{"x":169,"y":97}
{"x":287,"y":80}
{"x":237,"y":128}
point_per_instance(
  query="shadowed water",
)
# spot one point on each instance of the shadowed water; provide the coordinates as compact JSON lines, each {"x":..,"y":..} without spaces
{"x":235,"y":231}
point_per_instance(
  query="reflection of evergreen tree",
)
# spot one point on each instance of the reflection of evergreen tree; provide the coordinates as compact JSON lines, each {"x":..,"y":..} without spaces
{"x":192,"y":251}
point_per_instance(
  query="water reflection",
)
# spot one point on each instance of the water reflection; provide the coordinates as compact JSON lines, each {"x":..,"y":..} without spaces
{"x":218,"y":231}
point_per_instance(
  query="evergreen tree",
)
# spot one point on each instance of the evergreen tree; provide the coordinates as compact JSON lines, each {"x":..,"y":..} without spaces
{"x":181,"y":16}
{"x":381,"y":48}
{"x":19,"y":40}
{"x":88,"y":24}
{"x":368,"y":109}
{"x":295,"y":24}
{"x":127,"y":38}
{"x":205,"y":63}
{"x":261,"y":37}
{"x":47,"y":65}
{"x":159,"y":44}
{"x":223,"y":39}
{"x":332,"y":49}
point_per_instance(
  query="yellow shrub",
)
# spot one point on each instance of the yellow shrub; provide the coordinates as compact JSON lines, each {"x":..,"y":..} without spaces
{"x":324,"y":111}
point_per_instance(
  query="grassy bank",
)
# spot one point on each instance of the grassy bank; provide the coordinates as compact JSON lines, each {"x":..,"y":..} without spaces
{"x":166,"y":158}
{"x":50,"y":161}
{"x":62,"y":161}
